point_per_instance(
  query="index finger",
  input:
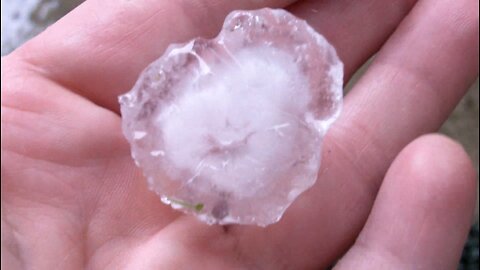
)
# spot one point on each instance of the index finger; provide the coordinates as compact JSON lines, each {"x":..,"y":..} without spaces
{"x":100,"y":47}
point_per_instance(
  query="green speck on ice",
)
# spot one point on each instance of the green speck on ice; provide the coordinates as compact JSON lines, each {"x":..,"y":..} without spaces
{"x":197,"y":207}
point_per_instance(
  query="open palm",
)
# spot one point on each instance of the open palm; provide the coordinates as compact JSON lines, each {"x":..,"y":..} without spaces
{"x":72,"y":197}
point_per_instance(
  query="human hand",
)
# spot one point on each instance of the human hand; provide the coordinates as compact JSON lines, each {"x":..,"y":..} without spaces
{"x":72,"y":197}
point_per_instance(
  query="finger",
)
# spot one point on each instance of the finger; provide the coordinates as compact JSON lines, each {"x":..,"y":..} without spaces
{"x":413,"y":85}
{"x":422,"y":214}
{"x":100,"y":47}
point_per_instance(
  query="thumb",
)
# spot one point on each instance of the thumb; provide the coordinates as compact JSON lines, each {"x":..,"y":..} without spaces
{"x":424,"y":208}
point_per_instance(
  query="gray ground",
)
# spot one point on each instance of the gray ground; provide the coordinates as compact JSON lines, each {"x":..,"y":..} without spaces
{"x":462,"y":125}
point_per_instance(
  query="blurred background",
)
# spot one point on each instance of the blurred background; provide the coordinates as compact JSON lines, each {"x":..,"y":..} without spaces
{"x":23,"y":19}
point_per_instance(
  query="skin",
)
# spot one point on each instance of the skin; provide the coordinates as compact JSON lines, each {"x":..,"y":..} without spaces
{"x":388,"y":196}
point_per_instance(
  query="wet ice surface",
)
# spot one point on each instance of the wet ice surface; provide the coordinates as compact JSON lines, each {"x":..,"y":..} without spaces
{"x":230,"y":129}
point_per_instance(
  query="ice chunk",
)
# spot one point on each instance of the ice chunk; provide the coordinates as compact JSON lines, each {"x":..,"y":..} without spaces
{"x":230,"y":129}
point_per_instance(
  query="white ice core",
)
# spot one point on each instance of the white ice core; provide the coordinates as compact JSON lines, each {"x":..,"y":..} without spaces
{"x":241,"y":118}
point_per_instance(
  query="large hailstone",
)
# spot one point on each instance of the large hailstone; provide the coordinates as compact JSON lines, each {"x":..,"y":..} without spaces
{"x":230,"y":129}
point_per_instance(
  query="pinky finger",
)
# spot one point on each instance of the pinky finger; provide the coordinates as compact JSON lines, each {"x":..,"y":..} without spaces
{"x":421,"y":216}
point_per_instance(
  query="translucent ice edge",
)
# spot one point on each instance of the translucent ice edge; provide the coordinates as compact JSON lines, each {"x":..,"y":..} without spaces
{"x":273,"y":138}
